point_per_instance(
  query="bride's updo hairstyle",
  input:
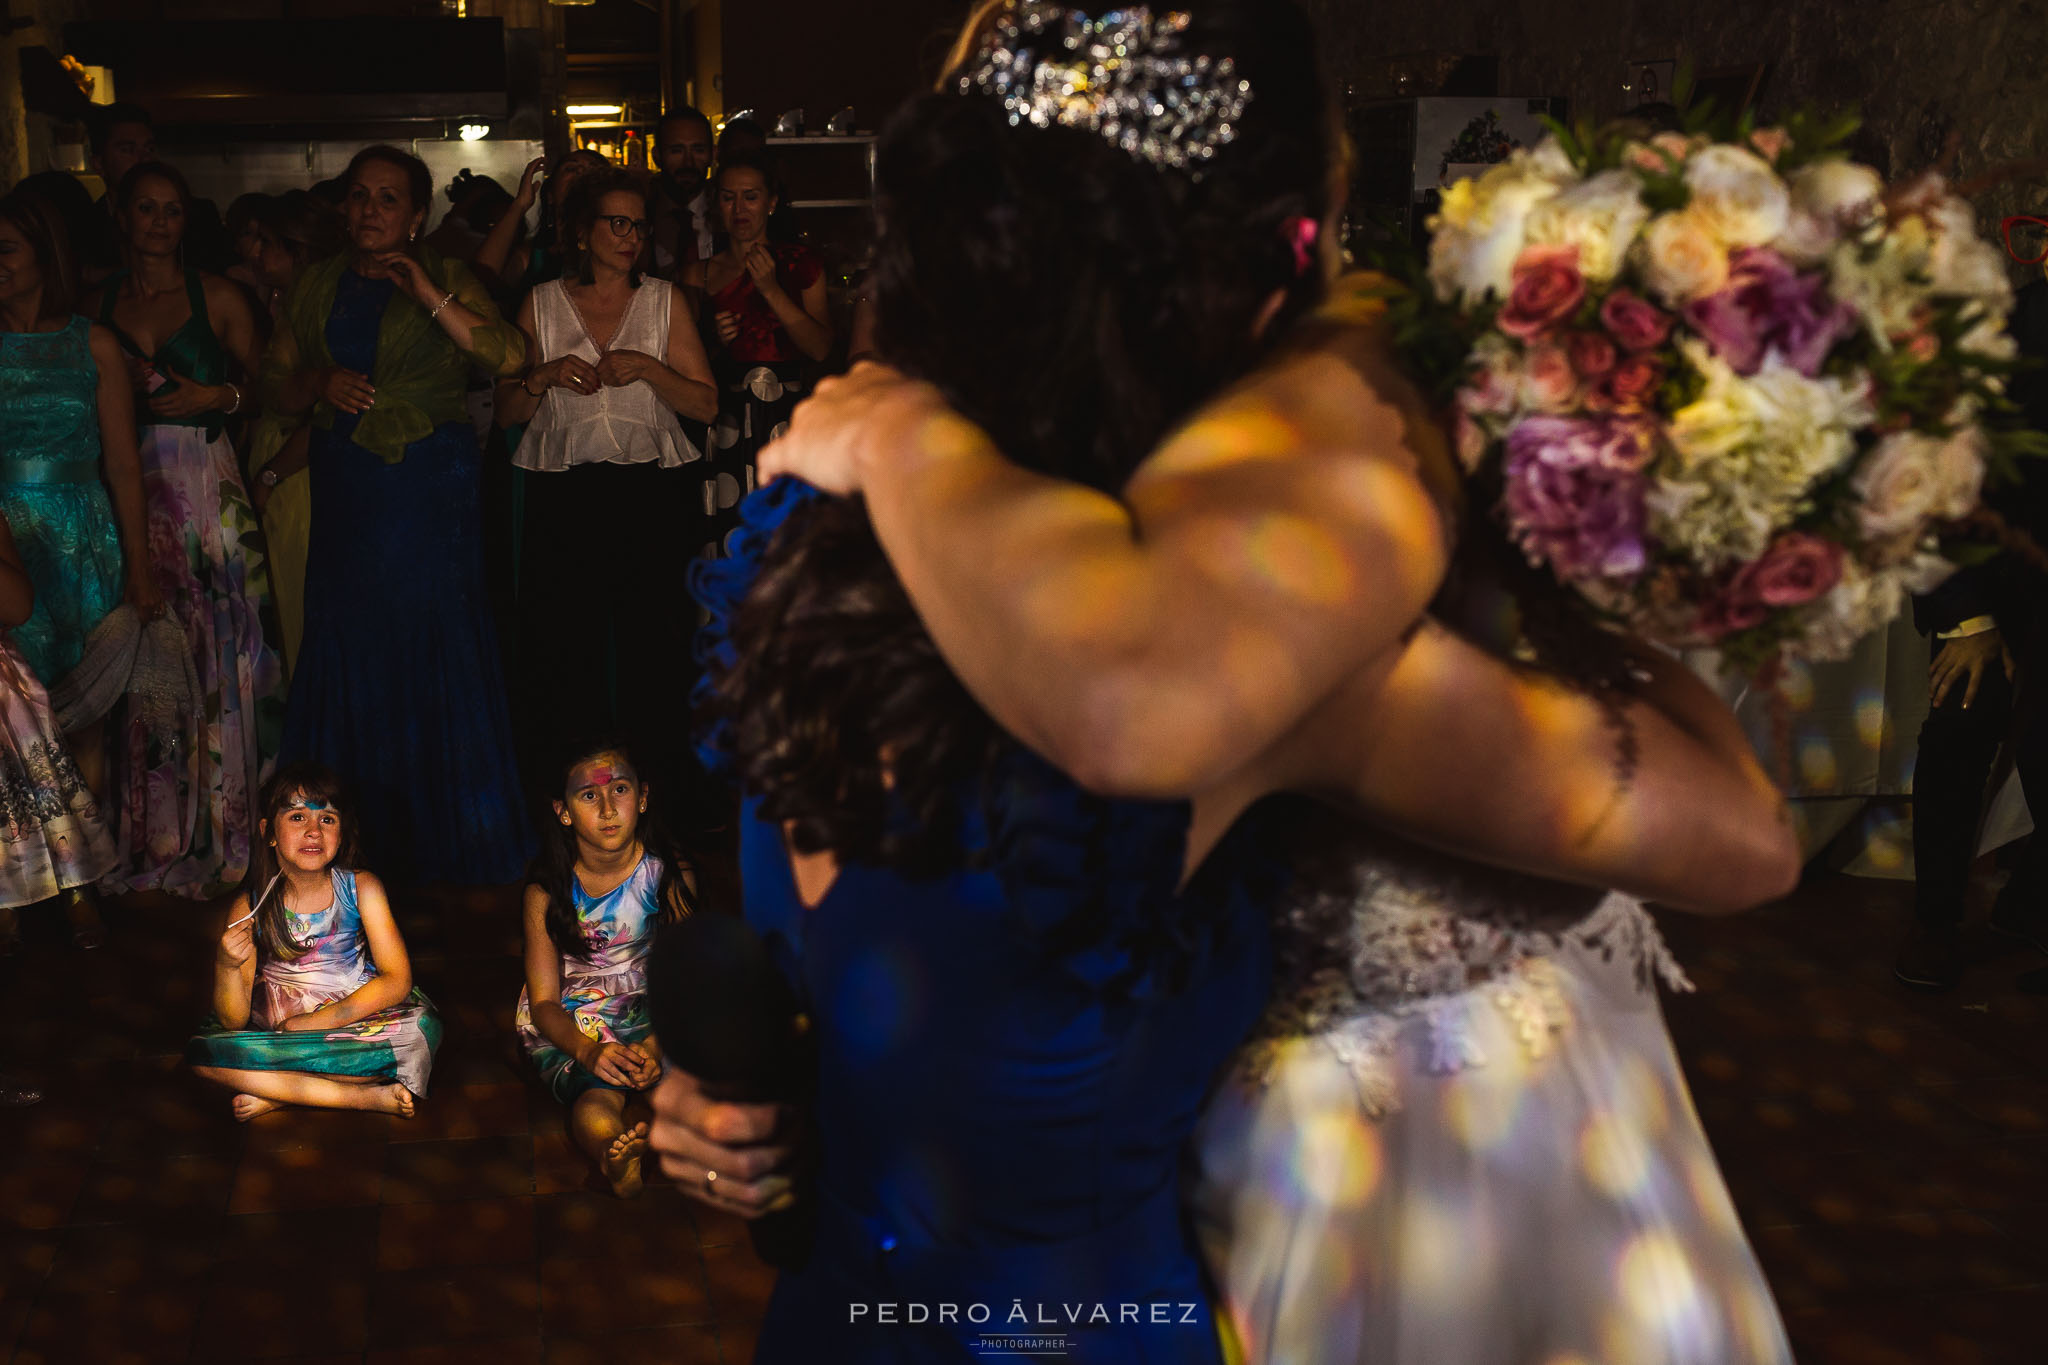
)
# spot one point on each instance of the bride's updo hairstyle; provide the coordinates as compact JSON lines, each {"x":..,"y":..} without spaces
{"x":1074,"y":299}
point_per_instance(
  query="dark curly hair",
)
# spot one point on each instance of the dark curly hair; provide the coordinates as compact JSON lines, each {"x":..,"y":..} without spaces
{"x":1074,"y":301}
{"x":554,"y":868}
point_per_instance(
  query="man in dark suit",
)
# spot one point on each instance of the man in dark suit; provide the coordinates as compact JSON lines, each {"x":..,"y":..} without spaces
{"x":1985,"y":627}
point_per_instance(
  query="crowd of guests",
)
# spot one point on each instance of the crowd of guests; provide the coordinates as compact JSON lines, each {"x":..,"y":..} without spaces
{"x":263,"y":516}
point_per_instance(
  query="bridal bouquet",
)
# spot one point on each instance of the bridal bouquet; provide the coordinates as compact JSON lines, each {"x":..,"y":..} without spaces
{"x":1730,"y":391}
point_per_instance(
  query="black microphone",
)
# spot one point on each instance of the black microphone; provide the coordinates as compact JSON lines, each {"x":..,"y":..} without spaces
{"x":724,"y":1012}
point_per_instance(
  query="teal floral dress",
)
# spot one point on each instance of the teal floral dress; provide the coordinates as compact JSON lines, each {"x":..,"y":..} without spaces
{"x":605,"y":993}
{"x":51,"y":494}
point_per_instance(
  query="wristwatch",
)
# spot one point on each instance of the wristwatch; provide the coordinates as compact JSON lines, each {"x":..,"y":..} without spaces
{"x":268,"y":478}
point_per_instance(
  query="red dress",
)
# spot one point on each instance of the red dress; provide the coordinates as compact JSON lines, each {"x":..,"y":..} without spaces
{"x":761,"y":374}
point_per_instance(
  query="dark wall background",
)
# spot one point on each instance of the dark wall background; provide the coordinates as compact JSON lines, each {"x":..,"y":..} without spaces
{"x":870,"y":54}
{"x":1921,"y":70}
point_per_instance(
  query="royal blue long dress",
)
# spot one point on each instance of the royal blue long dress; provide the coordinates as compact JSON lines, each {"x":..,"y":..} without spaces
{"x":399,"y":685}
{"x":1011,"y":1060}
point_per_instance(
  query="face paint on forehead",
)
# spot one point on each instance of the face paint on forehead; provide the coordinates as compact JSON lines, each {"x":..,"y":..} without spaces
{"x":303,"y":802}
{"x":602,"y":772}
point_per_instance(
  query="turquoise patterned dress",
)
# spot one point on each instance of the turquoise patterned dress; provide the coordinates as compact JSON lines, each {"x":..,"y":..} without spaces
{"x":51,"y":494}
{"x":606,"y":993}
{"x":395,"y":1044}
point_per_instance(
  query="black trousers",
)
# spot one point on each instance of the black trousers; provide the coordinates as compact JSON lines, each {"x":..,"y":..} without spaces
{"x":1957,"y":750}
{"x":606,"y":619}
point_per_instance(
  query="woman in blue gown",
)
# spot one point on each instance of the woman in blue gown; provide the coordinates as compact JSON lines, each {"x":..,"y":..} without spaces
{"x":1020,"y":993}
{"x":399,"y":686}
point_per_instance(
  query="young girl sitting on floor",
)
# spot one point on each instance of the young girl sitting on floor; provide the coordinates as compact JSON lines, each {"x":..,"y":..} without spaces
{"x":603,"y":883}
{"x":331,"y":1018}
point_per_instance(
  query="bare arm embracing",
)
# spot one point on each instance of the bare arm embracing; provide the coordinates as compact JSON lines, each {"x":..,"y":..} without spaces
{"x":1657,"y":793}
{"x":1157,"y":643}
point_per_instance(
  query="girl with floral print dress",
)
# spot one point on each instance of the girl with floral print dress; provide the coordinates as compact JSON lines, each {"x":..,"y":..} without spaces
{"x":595,"y":897}
{"x":312,"y":989}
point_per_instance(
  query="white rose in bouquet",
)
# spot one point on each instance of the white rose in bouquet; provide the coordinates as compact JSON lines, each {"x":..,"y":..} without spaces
{"x":1960,"y":262}
{"x":1680,"y":258}
{"x":1898,"y":486}
{"x":1482,"y":225}
{"x":1827,"y":197}
{"x":1737,"y":196}
{"x":1600,"y":216}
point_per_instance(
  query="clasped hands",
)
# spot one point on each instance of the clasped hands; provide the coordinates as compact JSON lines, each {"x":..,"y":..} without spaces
{"x":179,"y":396}
{"x":614,"y":369}
{"x":636,"y":1066}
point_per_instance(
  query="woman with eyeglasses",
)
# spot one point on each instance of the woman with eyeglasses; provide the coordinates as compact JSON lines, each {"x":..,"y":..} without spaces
{"x":764,"y":303}
{"x":616,"y":361}
{"x":399,"y":686}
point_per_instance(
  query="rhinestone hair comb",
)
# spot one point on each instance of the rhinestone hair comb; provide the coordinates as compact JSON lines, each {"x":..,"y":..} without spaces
{"x":1121,"y":75}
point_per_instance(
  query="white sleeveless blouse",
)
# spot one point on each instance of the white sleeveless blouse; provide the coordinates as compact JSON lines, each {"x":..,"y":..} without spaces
{"x":625,"y":425}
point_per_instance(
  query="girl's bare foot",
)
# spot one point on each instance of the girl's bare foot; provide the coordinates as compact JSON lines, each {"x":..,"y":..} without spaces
{"x":247,"y":1107}
{"x":621,"y":1162}
{"x":389,"y":1099}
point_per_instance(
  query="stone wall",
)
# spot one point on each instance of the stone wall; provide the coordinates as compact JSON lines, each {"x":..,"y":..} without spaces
{"x":1922,"y":71}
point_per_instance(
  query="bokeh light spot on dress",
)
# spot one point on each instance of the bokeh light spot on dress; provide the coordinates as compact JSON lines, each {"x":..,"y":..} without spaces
{"x":1337,"y":1159}
{"x":1440,"y":1253}
{"x":1481,"y":1104}
{"x":1661,"y":1293}
{"x":1817,"y":766}
{"x":1614,"y":1156}
{"x":1872,"y":719}
{"x":1795,"y":685}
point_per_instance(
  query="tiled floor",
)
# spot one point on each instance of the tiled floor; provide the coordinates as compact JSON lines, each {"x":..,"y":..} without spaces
{"x":139,"y":1223}
{"x":1889,"y":1153}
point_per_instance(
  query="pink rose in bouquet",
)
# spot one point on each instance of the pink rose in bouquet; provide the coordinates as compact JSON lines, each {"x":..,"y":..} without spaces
{"x":1797,"y":568}
{"x":1634,"y":322}
{"x":1628,"y":387}
{"x":1548,"y":289}
{"x":1592,"y":354}
{"x":1549,"y":383}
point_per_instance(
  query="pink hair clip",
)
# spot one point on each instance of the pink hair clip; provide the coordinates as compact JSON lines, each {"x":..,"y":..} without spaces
{"x":1302,"y":233}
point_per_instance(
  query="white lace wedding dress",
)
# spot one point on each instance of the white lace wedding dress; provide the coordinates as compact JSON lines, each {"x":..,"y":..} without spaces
{"x":1462,"y":1138}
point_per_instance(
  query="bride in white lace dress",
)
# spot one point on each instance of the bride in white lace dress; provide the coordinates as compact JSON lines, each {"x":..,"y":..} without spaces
{"x":1462,"y":1134}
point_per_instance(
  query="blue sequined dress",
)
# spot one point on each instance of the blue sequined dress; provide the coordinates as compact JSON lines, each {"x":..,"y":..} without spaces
{"x":1011,"y":1060}
{"x":51,"y":493}
{"x":399,"y":686}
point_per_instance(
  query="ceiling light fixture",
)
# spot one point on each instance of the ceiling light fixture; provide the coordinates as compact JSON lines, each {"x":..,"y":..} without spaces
{"x":594,"y":110}
{"x":472,"y":132}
